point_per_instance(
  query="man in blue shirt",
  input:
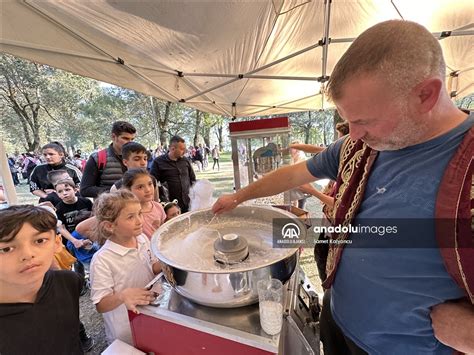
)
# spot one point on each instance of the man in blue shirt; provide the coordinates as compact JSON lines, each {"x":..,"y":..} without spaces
{"x":387,"y":298}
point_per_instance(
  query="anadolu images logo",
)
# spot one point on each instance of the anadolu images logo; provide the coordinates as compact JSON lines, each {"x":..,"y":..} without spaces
{"x":290,"y":231}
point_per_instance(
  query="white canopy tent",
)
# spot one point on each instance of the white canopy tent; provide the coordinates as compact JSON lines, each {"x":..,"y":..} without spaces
{"x":235,"y":58}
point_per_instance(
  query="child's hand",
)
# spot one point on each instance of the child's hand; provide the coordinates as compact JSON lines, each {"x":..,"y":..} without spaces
{"x":132,"y":297}
{"x":84,"y":243}
{"x":79,"y":243}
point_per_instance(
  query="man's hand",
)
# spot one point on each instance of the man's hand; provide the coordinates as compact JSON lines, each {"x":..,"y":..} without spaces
{"x":132,"y":297}
{"x":453,"y":325}
{"x":225,"y":203}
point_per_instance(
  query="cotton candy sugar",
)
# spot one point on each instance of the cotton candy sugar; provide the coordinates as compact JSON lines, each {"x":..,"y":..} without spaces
{"x":201,"y":195}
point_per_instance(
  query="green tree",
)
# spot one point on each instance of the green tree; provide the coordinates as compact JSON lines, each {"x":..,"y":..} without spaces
{"x":65,"y":98}
{"x":22,"y":84}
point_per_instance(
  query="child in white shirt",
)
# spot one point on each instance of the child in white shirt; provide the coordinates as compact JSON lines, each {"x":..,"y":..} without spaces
{"x":123,"y":266}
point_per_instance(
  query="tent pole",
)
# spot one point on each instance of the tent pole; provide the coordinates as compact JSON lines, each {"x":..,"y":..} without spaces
{"x":325,"y":39}
{"x":7,"y":177}
{"x":241,"y":76}
{"x":439,"y":35}
{"x":98,"y":49}
{"x":210,"y":101}
{"x":252,"y":76}
{"x":54,"y":51}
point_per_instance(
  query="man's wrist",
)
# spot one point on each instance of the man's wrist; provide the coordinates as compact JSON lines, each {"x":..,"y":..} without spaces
{"x":239,"y":197}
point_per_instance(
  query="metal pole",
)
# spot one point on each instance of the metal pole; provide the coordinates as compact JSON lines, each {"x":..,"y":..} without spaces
{"x":327,"y":18}
{"x":6,"y":176}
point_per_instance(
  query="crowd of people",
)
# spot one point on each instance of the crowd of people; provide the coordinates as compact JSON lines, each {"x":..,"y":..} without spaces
{"x":408,"y":155}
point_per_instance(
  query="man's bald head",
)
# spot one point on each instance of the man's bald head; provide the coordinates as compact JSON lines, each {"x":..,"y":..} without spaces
{"x":403,"y":53}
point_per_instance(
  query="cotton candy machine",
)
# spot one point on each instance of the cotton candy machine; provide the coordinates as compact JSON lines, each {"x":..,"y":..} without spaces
{"x":218,"y":260}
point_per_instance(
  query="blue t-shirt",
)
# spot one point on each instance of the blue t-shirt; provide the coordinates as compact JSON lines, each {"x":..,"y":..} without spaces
{"x":381,"y":297}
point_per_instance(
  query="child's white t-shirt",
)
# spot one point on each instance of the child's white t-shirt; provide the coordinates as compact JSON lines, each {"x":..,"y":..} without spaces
{"x":113,"y":269}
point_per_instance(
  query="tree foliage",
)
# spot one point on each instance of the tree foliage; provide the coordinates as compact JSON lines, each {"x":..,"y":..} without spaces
{"x":39,"y":104}
{"x":313,"y":127}
{"x":21,"y":93}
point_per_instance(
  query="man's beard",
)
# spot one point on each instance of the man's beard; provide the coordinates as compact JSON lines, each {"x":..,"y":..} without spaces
{"x":408,"y":132}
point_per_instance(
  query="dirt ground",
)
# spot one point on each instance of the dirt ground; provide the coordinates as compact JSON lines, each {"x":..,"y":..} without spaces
{"x":93,"y":323}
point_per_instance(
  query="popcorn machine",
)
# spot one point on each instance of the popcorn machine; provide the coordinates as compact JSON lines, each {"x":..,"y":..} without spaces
{"x":258,"y":147}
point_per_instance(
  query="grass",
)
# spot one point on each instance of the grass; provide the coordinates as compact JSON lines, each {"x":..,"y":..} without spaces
{"x":223,"y":180}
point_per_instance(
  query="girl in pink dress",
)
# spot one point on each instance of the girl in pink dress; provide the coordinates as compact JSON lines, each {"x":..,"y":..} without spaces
{"x":143,"y":186}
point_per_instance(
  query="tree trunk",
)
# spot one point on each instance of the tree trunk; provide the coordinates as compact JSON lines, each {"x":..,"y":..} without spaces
{"x":307,"y":130}
{"x":307,"y":134}
{"x":197,"y":128}
{"x":207,"y":136}
{"x":164,"y":136}
{"x":336,"y":119}
{"x":161,"y":121}
{"x":29,"y":123}
{"x":220,"y":137}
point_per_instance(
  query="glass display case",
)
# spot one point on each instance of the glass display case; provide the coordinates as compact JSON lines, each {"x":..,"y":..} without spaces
{"x":259,"y":147}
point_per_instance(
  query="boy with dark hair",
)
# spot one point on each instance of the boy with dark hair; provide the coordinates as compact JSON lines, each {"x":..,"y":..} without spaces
{"x":134,"y":156}
{"x":119,"y":127}
{"x":70,"y":206}
{"x":39,"y":308}
{"x":105,"y":167}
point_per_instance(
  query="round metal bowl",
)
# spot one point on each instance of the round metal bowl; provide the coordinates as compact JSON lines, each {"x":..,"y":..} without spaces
{"x":194,"y":273}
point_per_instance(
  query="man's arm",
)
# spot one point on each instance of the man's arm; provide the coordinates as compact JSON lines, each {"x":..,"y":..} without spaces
{"x":154,"y":170}
{"x":90,"y":180}
{"x":307,"y":148}
{"x":453,"y":325}
{"x":280,"y":180}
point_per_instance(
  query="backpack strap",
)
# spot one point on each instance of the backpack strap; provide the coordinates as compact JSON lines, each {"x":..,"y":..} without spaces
{"x":101,"y":159}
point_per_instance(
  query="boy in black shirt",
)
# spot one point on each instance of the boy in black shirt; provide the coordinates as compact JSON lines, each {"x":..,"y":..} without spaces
{"x":39,"y":308}
{"x":67,"y":211}
{"x":70,"y":205}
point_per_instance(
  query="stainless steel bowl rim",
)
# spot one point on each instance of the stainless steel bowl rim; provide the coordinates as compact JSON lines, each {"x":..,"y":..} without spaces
{"x":184,"y":216}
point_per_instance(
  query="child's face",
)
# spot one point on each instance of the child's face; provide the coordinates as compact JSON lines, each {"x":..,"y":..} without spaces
{"x":66,"y":193}
{"x":25,"y":259}
{"x":136,"y":160}
{"x":143,"y":188}
{"x":173,"y":212}
{"x":129,"y":222}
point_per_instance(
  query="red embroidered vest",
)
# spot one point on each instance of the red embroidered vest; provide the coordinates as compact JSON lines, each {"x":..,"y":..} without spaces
{"x":454,"y":208}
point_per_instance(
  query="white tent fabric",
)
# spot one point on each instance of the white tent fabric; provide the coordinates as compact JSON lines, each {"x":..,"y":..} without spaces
{"x":236,"y":58}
